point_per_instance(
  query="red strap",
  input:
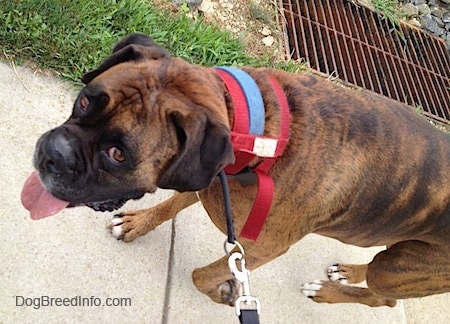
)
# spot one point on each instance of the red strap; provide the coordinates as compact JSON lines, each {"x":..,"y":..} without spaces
{"x":261,"y":207}
{"x":266,"y":186}
{"x":241,"y":124}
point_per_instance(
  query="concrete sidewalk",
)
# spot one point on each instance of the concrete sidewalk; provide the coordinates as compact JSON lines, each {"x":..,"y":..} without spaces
{"x":72,"y":254}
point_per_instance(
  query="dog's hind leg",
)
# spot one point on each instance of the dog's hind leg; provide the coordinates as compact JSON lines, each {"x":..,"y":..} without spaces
{"x":410,"y":269}
{"x":405,"y":270}
{"x":129,"y":225}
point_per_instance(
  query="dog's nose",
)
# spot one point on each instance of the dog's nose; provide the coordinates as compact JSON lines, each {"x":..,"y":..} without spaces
{"x":60,"y":156}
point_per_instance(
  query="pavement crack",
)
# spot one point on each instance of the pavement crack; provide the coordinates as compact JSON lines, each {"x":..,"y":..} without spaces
{"x":170,"y":266}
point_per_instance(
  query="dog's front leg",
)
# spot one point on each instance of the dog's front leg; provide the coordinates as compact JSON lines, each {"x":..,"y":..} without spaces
{"x":128,"y":225}
{"x":217,"y":282}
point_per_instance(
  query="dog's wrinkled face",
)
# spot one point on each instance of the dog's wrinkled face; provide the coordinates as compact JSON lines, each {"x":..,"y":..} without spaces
{"x":142,"y":121}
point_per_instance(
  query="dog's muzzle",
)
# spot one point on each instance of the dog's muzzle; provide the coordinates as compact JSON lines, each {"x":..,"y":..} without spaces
{"x":57,"y":156}
{"x":63,"y":177}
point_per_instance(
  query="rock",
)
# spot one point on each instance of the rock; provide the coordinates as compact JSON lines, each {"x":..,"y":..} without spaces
{"x":227,"y":4}
{"x":268,"y":41}
{"x":415,"y":22}
{"x":266,"y":31}
{"x":430,"y":24}
{"x":424,"y":9}
{"x":439,"y":21}
{"x":207,"y":7}
{"x":438,"y":12}
{"x":446,"y":17}
{"x":418,"y":2}
{"x":192,"y":4}
{"x":410,"y":10}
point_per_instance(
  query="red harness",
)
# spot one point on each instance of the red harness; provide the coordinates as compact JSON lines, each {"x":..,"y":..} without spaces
{"x":248,"y":146}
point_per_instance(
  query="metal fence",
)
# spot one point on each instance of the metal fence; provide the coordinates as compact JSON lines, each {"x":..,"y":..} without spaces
{"x":360,"y":47}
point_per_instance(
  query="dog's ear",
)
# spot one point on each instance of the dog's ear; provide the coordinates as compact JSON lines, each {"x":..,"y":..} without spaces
{"x":205,"y":150}
{"x":135,"y":39}
{"x":133,"y":47}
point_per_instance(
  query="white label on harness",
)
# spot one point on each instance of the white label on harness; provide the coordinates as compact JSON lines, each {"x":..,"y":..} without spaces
{"x":265,"y":147}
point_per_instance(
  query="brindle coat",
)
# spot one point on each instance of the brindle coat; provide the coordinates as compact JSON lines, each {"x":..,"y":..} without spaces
{"x":358,"y":168}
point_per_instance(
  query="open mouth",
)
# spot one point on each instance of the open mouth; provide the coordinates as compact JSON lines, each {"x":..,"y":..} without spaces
{"x":108,"y":205}
{"x":42,"y":203}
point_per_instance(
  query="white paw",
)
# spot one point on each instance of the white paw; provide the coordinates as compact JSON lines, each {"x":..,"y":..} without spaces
{"x":334,"y":274}
{"x":116,"y":227}
{"x":310,"y":289}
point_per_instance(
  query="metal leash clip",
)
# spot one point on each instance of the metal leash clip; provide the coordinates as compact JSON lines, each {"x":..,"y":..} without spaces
{"x":241,"y":274}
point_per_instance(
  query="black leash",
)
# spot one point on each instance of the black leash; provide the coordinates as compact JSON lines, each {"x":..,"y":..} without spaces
{"x":246,"y":315}
{"x":249,"y":316}
{"x":227,"y":202}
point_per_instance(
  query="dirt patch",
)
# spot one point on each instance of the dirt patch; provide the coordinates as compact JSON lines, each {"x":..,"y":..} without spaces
{"x":255,"y":21}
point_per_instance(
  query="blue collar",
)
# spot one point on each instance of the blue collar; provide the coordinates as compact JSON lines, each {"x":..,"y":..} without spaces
{"x":253,"y":98}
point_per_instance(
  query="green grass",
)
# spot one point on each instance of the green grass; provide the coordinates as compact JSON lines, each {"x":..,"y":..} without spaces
{"x":419,"y":110}
{"x":72,"y":37}
{"x":389,"y":10}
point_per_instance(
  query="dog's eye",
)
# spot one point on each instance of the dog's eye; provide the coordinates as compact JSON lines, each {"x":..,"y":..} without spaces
{"x":84,"y":103}
{"x":115,"y":155}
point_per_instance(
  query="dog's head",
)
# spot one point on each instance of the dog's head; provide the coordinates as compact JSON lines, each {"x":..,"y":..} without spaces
{"x":144,"y":120}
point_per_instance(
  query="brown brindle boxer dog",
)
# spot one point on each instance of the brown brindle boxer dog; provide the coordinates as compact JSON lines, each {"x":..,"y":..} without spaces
{"x":358,"y":168}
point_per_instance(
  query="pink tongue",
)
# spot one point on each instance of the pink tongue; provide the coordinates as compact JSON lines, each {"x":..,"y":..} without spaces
{"x":38,"y":200}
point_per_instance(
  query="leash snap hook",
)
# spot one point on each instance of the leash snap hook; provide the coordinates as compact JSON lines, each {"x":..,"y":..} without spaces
{"x":241,"y":274}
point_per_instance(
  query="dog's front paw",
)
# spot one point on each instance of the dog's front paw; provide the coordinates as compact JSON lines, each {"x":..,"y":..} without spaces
{"x":115,"y":227}
{"x":323,"y":291}
{"x":230,"y":290}
{"x":310,"y":290}
{"x":127,"y":227}
{"x":225,"y":293}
